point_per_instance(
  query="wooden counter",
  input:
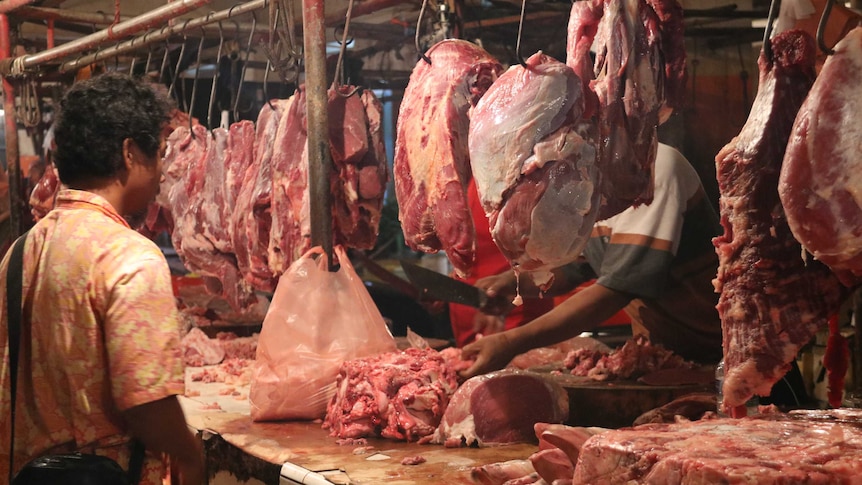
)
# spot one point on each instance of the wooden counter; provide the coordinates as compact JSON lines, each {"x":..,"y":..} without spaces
{"x":257,"y":450}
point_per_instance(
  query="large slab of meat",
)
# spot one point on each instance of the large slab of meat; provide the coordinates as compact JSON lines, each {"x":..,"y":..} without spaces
{"x":191,"y":206}
{"x":357,"y":181}
{"x":252,"y":216}
{"x":431,"y":164}
{"x":821,"y":178}
{"x":534,"y":163}
{"x":493,"y":410}
{"x":772,"y":302}
{"x":397,"y":395}
{"x":800,"y":447}
{"x":638,"y":79}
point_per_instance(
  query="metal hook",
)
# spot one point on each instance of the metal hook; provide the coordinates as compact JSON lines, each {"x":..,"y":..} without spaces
{"x":244,"y":65}
{"x":179,"y":64}
{"x":821,"y":26}
{"x":774,"y":6}
{"x":418,"y":29}
{"x":338,"y":78}
{"x":215,"y":74}
{"x":266,"y":85}
{"x":165,"y":60}
{"x":195,"y":82}
{"x":520,"y":29}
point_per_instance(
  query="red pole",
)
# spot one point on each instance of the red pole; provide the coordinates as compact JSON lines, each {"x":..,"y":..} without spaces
{"x":13,"y":167}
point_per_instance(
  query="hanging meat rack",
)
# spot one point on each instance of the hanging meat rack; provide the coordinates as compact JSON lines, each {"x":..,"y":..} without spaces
{"x":123,"y":36}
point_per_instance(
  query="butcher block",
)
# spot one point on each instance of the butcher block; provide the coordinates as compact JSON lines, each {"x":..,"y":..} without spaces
{"x":617,"y":403}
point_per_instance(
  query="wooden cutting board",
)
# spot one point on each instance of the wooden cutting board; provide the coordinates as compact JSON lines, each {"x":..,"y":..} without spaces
{"x":615,"y":404}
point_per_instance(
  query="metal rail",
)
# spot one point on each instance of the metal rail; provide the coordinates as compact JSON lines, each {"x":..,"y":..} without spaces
{"x":164,"y":33}
{"x":151,"y":19}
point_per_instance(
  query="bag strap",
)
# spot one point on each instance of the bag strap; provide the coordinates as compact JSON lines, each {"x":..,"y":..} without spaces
{"x":14,"y":284}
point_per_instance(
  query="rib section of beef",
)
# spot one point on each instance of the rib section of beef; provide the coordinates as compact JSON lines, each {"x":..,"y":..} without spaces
{"x":397,"y":395}
{"x":493,"y":409}
{"x":431,"y":164}
{"x":822,"y":170}
{"x":637,"y":79}
{"x":772,"y":449}
{"x":772,"y":302}
{"x":534,"y":163}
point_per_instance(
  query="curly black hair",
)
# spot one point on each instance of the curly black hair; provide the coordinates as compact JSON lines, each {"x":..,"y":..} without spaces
{"x":96,"y":116}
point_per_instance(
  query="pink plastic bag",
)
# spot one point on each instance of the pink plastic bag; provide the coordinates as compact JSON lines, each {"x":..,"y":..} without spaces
{"x":317,"y":320}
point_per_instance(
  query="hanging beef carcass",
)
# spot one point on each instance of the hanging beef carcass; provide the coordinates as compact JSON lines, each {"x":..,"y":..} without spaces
{"x":252,"y":215}
{"x":638,"y":78}
{"x":190,"y":205}
{"x":534,"y":162}
{"x":431,"y":162}
{"x":772,"y":302}
{"x":821,"y":178}
{"x":357,"y":180}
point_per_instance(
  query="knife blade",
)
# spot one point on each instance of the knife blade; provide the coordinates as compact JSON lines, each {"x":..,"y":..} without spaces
{"x":441,"y":287}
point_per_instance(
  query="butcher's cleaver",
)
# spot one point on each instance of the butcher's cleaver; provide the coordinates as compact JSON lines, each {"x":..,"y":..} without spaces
{"x":441,"y":287}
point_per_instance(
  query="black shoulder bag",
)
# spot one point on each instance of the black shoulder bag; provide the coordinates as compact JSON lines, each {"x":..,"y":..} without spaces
{"x":69,"y":468}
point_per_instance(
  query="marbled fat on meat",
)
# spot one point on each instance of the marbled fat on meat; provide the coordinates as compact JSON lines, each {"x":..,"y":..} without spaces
{"x":821,"y":178}
{"x":772,"y":302}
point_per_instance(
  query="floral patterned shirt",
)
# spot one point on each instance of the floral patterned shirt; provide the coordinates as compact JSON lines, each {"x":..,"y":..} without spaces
{"x":104,"y":334}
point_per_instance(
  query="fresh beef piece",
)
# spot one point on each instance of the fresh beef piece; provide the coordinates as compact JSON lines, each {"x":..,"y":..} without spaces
{"x":638,"y":79}
{"x":397,"y":395}
{"x":552,"y":464}
{"x":252,"y":216}
{"x":190,"y":208}
{"x":822,"y":170}
{"x":200,"y":350}
{"x":771,"y":449}
{"x":691,"y":407}
{"x":503,"y":472}
{"x":534,"y":163}
{"x":431,"y":161}
{"x":492,"y":410}
{"x":772,"y":301}
{"x":637,"y":357}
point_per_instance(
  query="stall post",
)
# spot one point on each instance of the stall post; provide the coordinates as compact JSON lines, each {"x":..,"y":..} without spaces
{"x":319,"y":156}
{"x":13,"y":169}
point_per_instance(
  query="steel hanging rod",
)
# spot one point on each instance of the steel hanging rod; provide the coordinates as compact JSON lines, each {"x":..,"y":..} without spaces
{"x":19,"y":65}
{"x":41,"y":14}
{"x":164,"y":33}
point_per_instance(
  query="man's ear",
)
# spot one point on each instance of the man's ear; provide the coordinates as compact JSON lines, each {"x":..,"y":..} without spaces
{"x":128,"y":153}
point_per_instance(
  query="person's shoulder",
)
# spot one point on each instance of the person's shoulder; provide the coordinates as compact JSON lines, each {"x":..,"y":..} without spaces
{"x":670,"y":163}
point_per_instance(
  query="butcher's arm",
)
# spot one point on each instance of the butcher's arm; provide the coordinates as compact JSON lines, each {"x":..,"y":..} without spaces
{"x":507,"y":284}
{"x":581,"y":312}
{"x":161,"y":427}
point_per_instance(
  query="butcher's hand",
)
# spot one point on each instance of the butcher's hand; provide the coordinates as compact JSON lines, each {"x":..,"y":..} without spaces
{"x":490,"y":353}
{"x":485,"y":324}
{"x":501,"y":289}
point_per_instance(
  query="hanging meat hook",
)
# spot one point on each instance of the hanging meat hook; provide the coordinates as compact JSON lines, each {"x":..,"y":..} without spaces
{"x":244,"y":66}
{"x":338,"y":79}
{"x":195,"y":82}
{"x":821,"y":26}
{"x":164,"y":60}
{"x":215,"y":74}
{"x":28,"y":110}
{"x":520,"y":29}
{"x":774,"y":7}
{"x":149,"y":54}
{"x":266,"y":85}
{"x":179,"y":65}
{"x":418,"y":30}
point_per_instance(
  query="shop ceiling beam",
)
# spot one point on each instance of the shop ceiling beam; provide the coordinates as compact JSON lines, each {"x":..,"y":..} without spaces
{"x":319,"y":156}
{"x":149,"y":20}
{"x":166,"y":32}
{"x":7,"y":6}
